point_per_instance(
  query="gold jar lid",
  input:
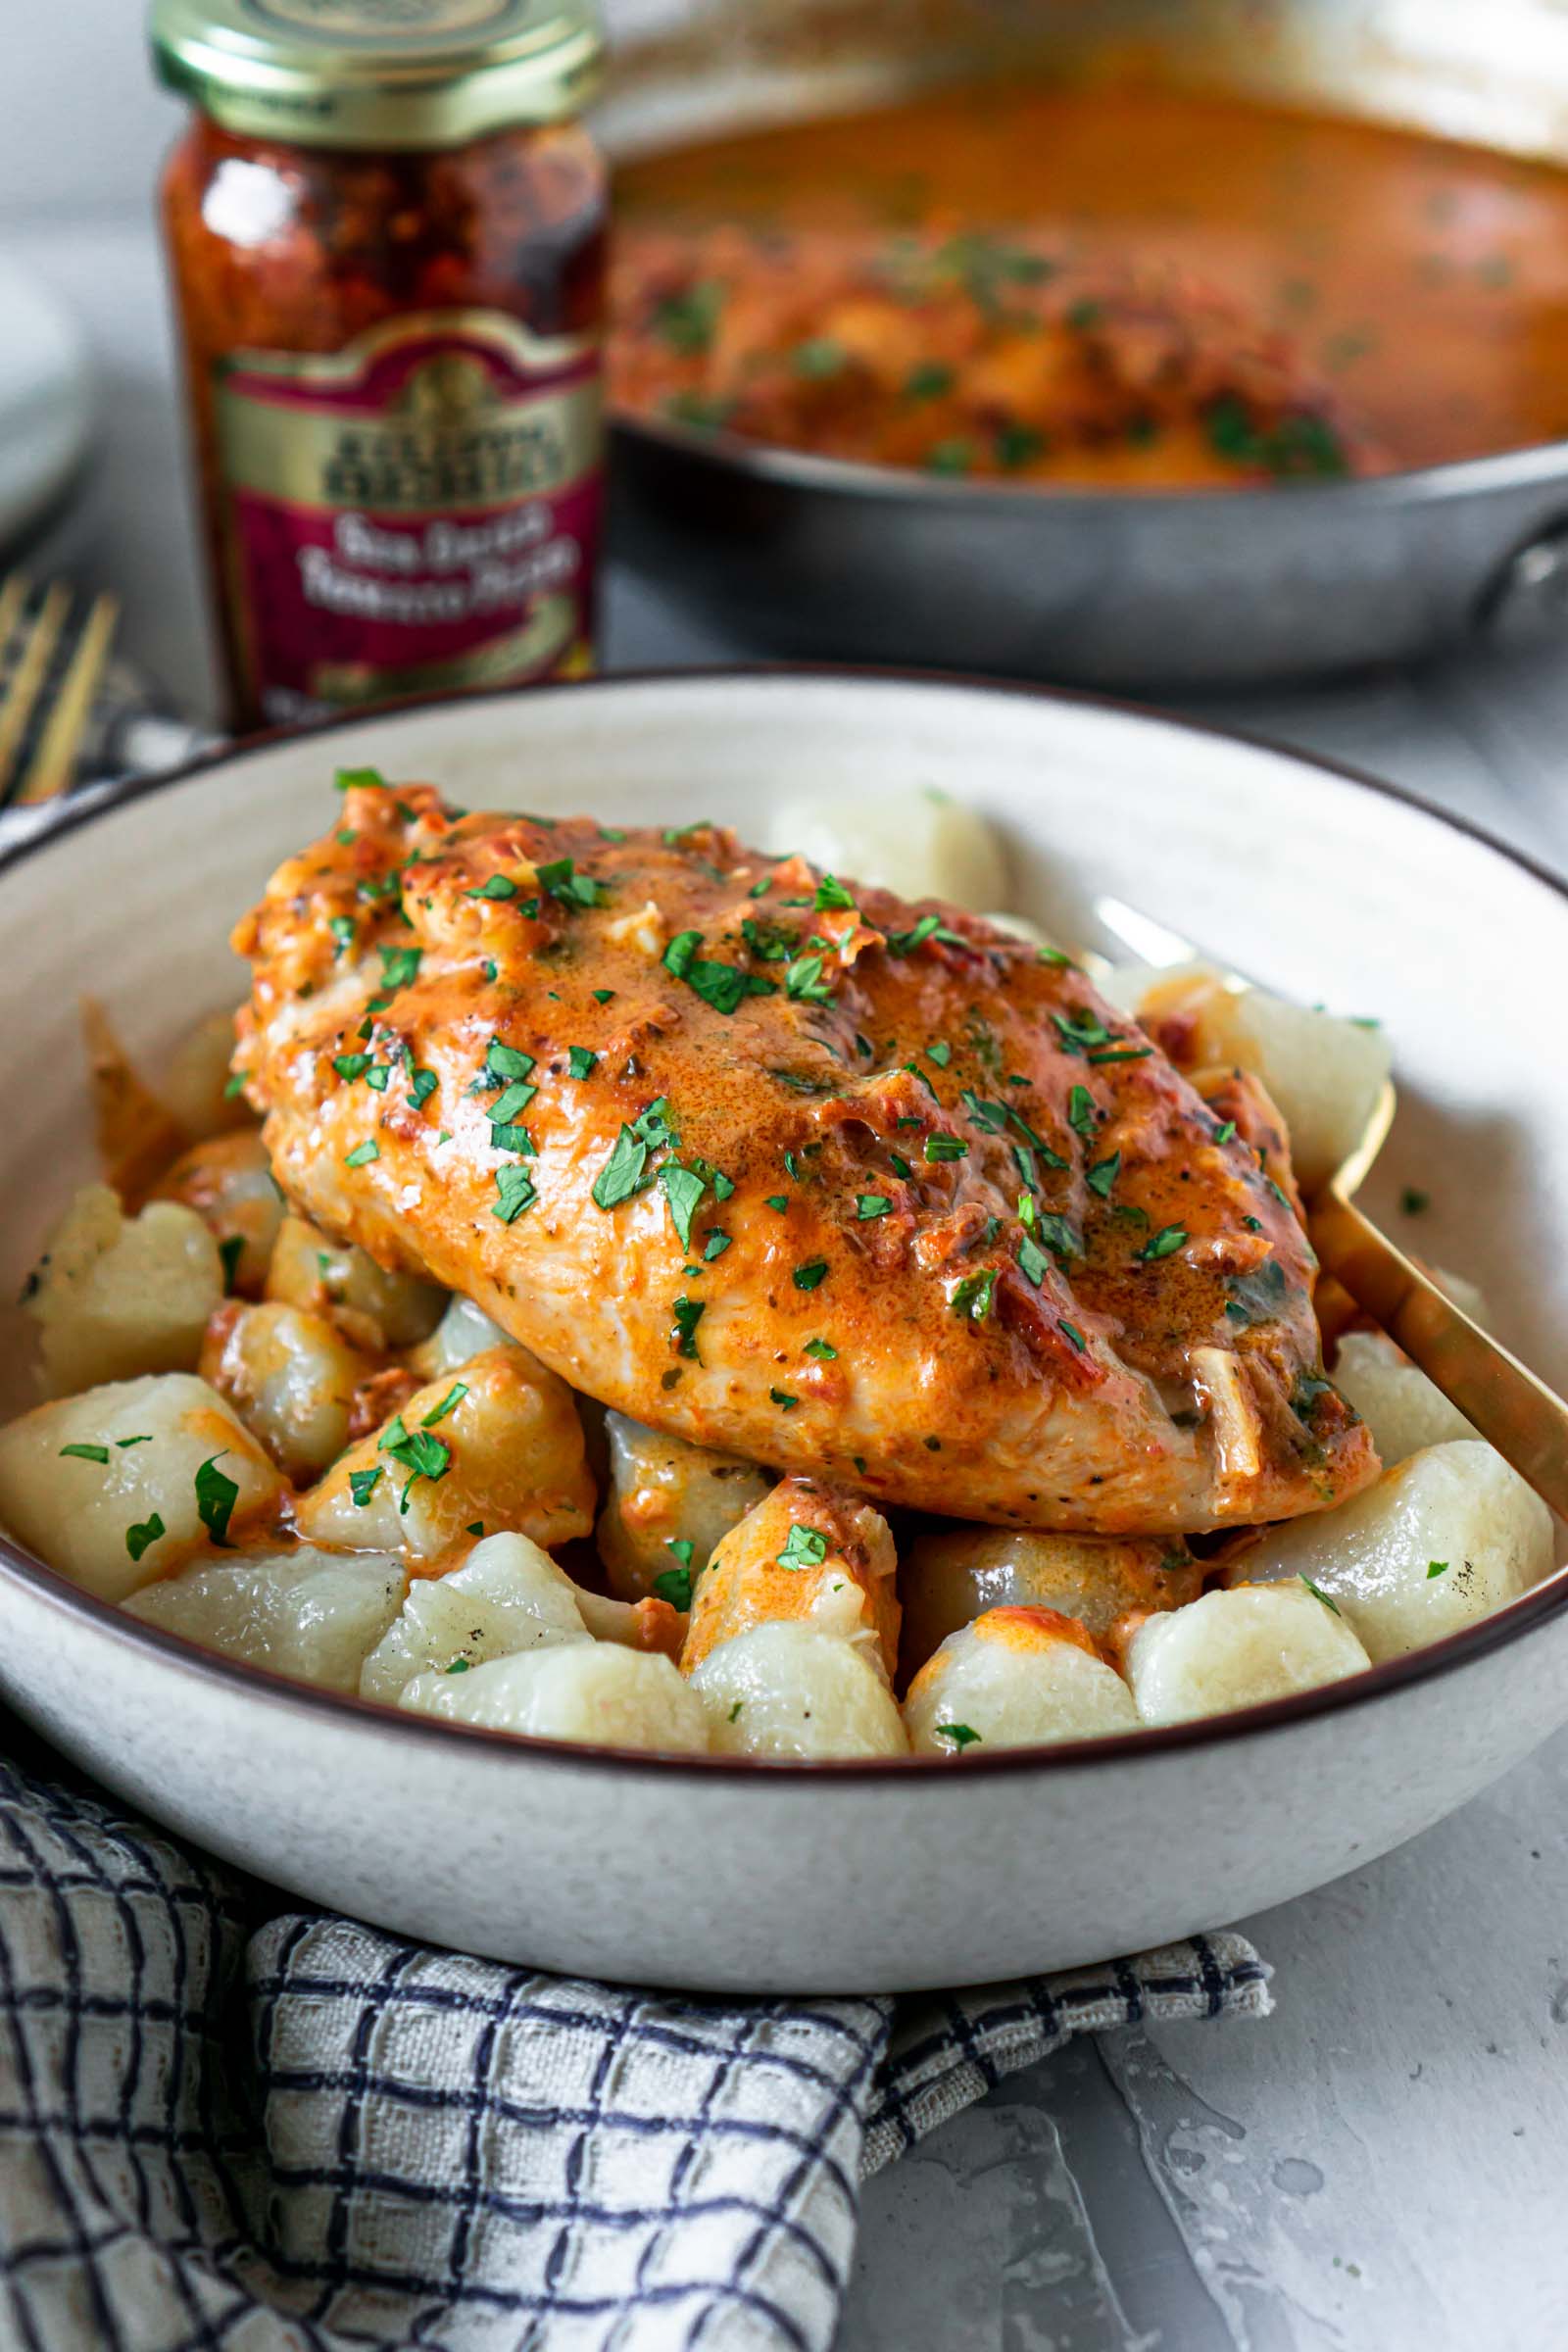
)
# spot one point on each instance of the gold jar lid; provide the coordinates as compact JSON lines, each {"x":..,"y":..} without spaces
{"x":383,"y":73}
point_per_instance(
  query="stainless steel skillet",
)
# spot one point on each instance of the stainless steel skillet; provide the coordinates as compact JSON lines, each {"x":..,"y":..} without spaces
{"x":1180,"y":590}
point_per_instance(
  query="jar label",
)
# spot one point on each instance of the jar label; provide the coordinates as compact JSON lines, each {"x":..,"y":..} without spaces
{"x":417,"y":511}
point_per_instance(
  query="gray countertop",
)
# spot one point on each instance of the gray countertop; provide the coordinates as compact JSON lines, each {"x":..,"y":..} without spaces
{"x":1378,"y":2165}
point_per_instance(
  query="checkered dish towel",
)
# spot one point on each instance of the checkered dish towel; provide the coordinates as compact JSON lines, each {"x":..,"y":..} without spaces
{"x":308,"y":2133}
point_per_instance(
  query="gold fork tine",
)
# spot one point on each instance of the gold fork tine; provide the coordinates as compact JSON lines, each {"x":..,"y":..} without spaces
{"x":55,"y":759}
{"x":20,"y":692}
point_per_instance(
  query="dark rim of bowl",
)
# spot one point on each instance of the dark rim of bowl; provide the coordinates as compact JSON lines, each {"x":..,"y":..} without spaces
{"x":1498,"y":1631}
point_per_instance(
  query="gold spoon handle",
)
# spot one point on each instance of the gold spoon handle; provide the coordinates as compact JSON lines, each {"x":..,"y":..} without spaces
{"x":1509,"y":1406}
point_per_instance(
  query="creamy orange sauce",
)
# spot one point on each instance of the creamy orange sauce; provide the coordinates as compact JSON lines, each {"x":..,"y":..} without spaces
{"x":1120,"y":286}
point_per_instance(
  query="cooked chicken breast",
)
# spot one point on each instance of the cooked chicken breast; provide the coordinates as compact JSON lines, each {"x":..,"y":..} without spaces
{"x":791,"y":1169}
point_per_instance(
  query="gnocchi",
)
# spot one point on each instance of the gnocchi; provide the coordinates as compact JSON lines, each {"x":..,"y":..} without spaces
{"x":952,"y":1578}
{"x":499,"y":1448}
{"x":1236,"y":1649}
{"x":920,"y":844}
{"x":118,"y":1295}
{"x":308,"y":1613}
{"x":1016,"y":1678}
{"x":668,"y":1507}
{"x":791,"y":1690}
{"x":379,"y":1306}
{"x":291,"y":1376}
{"x":125,"y":1483}
{"x":592,"y":1690}
{"x":1446,"y":1536}
{"x":229,"y":1182}
{"x":508,"y":1596}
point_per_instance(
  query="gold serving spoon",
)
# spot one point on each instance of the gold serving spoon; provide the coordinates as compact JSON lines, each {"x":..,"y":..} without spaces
{"x":1500,"y":1397}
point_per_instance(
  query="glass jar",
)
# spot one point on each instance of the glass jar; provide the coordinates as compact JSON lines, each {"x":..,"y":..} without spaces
{"x":386,"y":232}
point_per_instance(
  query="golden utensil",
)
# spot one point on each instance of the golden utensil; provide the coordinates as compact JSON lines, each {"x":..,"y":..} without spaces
{"x":1503,"y":1399}
{"x":52,"y":657}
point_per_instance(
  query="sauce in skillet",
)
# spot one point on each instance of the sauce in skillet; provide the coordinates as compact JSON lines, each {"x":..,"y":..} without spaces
{"x":1121,"y":288}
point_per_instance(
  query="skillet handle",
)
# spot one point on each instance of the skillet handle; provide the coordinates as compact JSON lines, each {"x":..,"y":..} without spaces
{"x":1509,"y":1406}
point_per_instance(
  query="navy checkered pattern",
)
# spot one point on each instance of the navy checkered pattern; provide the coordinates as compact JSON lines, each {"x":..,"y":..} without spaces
{"x":305,"y":2134}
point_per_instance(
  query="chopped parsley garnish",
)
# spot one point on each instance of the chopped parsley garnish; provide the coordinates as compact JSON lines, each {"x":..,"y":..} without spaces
{"x":343,"y":928}
{"x":804,"y":981}
{"x":1079,"y":1031}
{"x":447,"y":1404}
{"x":515,"y":1191}
{"x":946,"y":1146}
{"x":216,"y":1498}
{"x":683,"y":1188}
{"x":497,"y":886}
{"x":688,"y":1313}
{"x":378,"y":1079}
{"x":831,"y":894}
{"x":868,"y":1206}
{"x":400,"y":966}
{"x":351,"y":1066}
{"x":563,"y":881}
{"x":1434,"y":1567}
{"x":603,"y":996}
{"x":824,"y":1351}
{"x":929,"y":926}
{"x":1119,"y":1054}
{"x":421,"y":1454}
{"x":1223,"y":1135}
{"x":1058,"y":1236}
{"x":783,"y":1399}
{"x":138,"y":1538}
{"x":715,"y":1244}
{"x":1164,"y":1243}
{"x":941,"y":1053}
{"x":803,"y":1547}
{"x":1072,"y":1332}
{"x":84,"y":1454}
{"x":358,"y":779}
{"x":957,"y":1735}
{"x":363,"y":1153}
{"x":778,"y":1201}
{"x":1081,"y":1112}
{"x":772,"y":942}
{"x":1033,"y":1262}
{"x":724,"y":986}
{"x":971,"y":1301}
{"x":809,"y":1276}
{"x":622,"y":1173}
{"x":230,"y":1250}
{"x":1318,"y":1594}
{"x":363,"y":1485}
{"x":508,"y":1137}
{"x":145,"y":1438}
{"x":674,"y":1584}
{"x":1104,"y":1174}
{"x":236,"y":1086}
{"x":512,"y":1098}
{"x":422,"y":1087}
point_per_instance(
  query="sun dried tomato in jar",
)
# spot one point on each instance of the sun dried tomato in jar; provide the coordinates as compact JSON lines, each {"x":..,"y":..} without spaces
{"x":386,"y":232}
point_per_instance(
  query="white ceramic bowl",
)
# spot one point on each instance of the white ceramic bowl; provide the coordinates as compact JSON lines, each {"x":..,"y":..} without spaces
{"x":858,"y":1877}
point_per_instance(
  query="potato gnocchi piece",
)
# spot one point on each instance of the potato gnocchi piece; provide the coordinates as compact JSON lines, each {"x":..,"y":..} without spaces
{"x":229,"y":1182}
{"x":464,"y":1332}
{"x":508,"y":1596}
{"x":104,"y":1486}
{"x":1016,"y":1678}
{"x":310,"y":1614}
{"x":379,"y":1306}
{"x":664,"y":1491}
{"x":498,"y":1445}
{"x":196,"y":1078}
{"x":1325,"y":1073}
{"x":1440,"y":1540}
{"x":1235,"y":1648}
{"x":950,"y":1579}
{"x":791,"y":1691}
{"x":291,"y":1378}
{"x":919,"y":844}
{"x":594,"y":1691}
{"x":116,"y":1295}
{"x":651,"y":1624}
{"x":806,"y":1552}
{"x":1404,"y":1409}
